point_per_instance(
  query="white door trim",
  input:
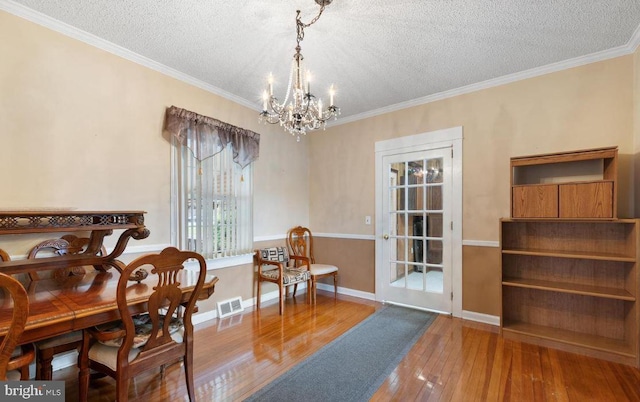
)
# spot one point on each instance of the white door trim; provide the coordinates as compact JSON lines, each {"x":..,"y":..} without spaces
{"x":435,"y":139}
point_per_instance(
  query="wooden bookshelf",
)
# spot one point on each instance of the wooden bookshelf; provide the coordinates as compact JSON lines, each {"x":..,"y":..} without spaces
{"x":572,"y":285}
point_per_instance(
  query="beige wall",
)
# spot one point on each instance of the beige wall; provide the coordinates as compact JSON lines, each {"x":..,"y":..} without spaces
{"x":82,"y":128}
{"x":354,"y":258}
{"x":481,"y":280}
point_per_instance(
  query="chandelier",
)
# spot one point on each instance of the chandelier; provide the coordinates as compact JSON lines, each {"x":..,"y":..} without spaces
{"x":300,"y":110}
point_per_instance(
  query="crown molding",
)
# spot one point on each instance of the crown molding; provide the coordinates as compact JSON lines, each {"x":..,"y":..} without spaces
{"x":630,"y":47}
{"x":90,"y":39}
{"x":634,"y":42}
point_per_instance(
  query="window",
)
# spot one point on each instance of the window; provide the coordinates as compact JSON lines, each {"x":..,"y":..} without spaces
{"x":213,"y":204}
{"x":211,"y":186}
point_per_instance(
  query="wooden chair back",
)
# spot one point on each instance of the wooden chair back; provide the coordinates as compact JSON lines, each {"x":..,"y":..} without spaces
{"x":300,"y":242}
{"x":165,"y":302}
{"x":16,"y":291}
{"x":68,"y":244}
{"x":4,"y":256}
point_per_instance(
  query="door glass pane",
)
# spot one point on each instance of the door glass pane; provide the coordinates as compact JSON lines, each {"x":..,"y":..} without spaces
{"x":396,"y":191}
{"x":401,"y":253}
{"x":433,"y":172}
{"x":415,"y":172}
{"x":416,"y":239}
{"x":415,"y":181}
{"x":400,"y":225}
{"x":434,"y":198}
{"x":434,"y":245}
{"x":434,"y":252}
{"x":398,"y":197}
{"x":415,"y":279}
{"x":397,"y":275}
{"x":434,"y":225}
{"x":434,"y":280}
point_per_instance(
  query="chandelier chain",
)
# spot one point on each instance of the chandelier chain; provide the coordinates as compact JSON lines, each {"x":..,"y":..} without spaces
{"x":300,"y":26}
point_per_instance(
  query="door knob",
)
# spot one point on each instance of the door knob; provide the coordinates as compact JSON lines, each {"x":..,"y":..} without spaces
{"x":386,"y":236}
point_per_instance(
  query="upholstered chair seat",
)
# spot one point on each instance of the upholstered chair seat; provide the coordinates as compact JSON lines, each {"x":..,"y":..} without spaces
{"x":322,"y":269}
{"x":105,"y":351}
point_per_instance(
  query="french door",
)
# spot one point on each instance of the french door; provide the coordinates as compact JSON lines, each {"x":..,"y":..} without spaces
{"x":418,"y":233}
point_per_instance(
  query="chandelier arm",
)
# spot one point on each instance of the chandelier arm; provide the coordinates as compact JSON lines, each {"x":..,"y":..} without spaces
{"x":276,"y":106}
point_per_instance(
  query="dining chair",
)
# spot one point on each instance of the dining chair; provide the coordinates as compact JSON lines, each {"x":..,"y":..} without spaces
{"x":300,"y":243}
{"x":274,"y":266}
{"x":48,"y":348}
{"x":14,"y":362}
{"x":126,"y":348}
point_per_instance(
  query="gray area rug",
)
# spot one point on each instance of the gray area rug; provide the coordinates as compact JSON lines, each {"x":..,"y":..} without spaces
{"x":354,"y":365}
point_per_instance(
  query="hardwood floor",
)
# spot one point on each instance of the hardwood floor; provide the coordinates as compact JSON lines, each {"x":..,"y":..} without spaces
{"x":454,"y":360}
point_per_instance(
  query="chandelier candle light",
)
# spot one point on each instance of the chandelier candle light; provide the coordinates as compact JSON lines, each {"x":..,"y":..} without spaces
{"x":301,"y":110}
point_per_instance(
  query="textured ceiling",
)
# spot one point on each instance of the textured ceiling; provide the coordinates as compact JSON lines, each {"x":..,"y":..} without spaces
{"x":379,"y":54}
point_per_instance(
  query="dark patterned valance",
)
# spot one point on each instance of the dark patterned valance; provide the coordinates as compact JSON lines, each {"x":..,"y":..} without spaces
{"x":206,"y":136}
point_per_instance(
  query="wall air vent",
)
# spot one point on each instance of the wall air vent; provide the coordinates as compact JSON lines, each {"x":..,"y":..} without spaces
{"x":230,"y":307}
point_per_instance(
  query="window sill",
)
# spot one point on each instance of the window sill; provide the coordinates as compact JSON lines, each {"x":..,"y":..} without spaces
{"x":226,"y":262}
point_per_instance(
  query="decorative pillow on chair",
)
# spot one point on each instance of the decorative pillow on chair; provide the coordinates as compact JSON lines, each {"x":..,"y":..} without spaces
{"x":143,"y":325}
{"x":279,"y":254}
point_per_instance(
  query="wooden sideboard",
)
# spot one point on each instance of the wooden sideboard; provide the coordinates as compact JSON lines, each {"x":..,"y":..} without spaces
{"x":99,"y":223}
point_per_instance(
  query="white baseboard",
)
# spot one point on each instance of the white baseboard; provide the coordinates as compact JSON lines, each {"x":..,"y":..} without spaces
{"x":64,"y":360}
{"x":347,"y":291}
{"x":480,"y":317}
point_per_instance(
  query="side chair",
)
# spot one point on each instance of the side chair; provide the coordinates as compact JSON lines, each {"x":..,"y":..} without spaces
{"x":273,"y":266}
{"x":126,"y":348}
{"x":48,"y":348}
{"x":300,"y":242}
{"x":14,"y":362}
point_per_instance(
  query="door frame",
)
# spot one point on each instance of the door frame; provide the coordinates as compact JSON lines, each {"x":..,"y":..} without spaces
{"x":449,"y":137}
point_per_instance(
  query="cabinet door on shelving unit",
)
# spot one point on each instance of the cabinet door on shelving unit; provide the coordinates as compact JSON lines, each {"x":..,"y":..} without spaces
{"x":535,"y":201}
{"x":586,"y":200}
